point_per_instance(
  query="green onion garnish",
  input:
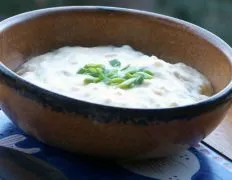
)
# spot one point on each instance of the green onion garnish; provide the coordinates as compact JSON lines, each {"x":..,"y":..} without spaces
{"x":125,"y":78}
{"x":115,"y":63}
{"x":127,"y":84}
{"x":126,"y":67}
{"x":116,"y":80}
{"x":145,"y":75}
{"x":91,"y":80}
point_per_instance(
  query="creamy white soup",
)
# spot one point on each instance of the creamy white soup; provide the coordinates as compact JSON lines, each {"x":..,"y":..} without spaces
{"x":117,"y":76}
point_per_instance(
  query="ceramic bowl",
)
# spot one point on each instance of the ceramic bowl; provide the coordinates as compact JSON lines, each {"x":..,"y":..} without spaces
{"x":94,"y":129}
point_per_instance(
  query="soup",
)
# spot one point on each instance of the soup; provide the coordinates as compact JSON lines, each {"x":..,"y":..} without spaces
{"x":117,"y":76}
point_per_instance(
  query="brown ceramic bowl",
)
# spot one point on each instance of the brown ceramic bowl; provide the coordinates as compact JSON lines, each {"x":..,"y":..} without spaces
{"x":107,"y":131}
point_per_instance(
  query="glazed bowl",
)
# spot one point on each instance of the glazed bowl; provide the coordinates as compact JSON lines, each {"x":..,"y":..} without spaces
{"x":106,"y":131}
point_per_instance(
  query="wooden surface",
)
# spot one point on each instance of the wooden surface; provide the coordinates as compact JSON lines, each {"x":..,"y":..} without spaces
{"x":221,"y":138}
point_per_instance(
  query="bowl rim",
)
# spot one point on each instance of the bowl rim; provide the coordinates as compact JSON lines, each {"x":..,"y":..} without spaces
{"x":214,"y":101}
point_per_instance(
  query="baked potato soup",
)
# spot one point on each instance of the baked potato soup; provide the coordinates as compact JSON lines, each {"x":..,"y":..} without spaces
{"x":117,"y":76}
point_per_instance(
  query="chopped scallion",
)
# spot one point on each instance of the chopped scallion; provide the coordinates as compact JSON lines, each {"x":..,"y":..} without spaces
{"x":125,"y":78}
{"x":115,"y":63}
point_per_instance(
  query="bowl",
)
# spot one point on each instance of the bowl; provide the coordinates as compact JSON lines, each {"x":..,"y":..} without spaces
{"x":106,"y":131}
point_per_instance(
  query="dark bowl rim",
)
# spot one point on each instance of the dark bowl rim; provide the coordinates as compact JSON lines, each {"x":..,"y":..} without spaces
{"x":214,"y":101}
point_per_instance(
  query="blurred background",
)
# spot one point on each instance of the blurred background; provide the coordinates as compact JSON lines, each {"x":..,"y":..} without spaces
{"x":214,"y":15}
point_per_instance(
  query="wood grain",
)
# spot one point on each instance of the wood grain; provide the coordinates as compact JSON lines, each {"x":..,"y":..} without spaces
{"x":221,"y":138}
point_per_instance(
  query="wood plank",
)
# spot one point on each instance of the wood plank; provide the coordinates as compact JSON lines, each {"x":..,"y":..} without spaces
{"x":221,"y":138}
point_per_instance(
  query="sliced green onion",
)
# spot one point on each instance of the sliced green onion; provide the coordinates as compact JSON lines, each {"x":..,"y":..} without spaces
{"x":116,"y":81}
{"x":127,"y":84}
{"x":94,"y":66}
{"x":112,"y":74}
{"x":139,"y":80}
{"x":128,"y":75}
{"x":81,"y":71}
{"x":145,"y":75}
{"x":93,"y":72}
{"x":91,"y":80}
{"x":149,"y":72}
{"x":126,"y":67}
{"x":132,"y":76}
{"x":115,"y":63}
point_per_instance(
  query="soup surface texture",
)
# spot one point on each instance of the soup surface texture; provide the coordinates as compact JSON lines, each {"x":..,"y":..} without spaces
{"x":116,"y":76}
